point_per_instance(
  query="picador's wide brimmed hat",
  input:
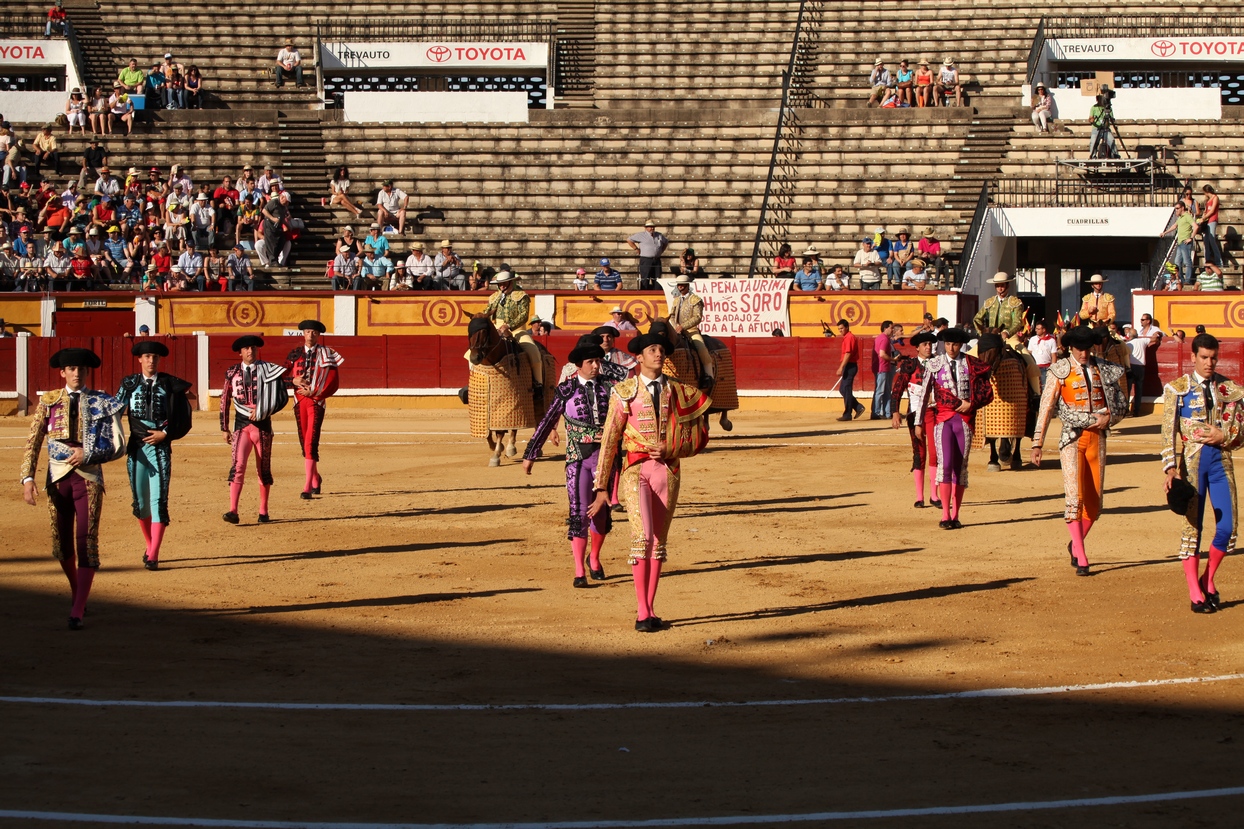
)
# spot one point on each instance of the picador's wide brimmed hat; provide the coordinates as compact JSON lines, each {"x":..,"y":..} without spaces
{"x":923,"y":337}
{"x":312,"y":325}
{"x":658,"y":334}
{"x":1097,"y":279}
{"x":1000,"y":278}
{"x":149,"y":347}
{"x":82,"y":357}
{"x":248,"y":341}
{"x":954,"y":335}
{"x":1081,"y":337}
{"x":685,"y":279}
{"x":503,"y":277}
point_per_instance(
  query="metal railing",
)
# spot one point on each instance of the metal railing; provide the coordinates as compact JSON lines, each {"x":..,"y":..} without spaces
{"x":419,"y":30}
{"x":75,"y":52}
{"x":1079,"y":192}
{"x":1153,"y":271}
{"x":971,"y":246}
{"x":1034,"y":54}
{"x":1143,"y":25}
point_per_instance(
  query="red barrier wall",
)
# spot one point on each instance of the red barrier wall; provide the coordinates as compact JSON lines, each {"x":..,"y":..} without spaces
{"x":115,"y":357}
{"x":8,"y":364}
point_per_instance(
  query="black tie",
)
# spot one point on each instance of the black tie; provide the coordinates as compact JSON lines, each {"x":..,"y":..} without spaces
{"x":1088,"y":384}
{"x":589,"y":389}
{"x":1208,"y":386}
{"x":75,"y":434}
{"x":954,"y":376}
{"x":149,"y":399}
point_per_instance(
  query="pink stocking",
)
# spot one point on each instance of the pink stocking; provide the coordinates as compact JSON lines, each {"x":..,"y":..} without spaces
{"x":598,"y":541}
{"x":943,"y":491}
{"x":578,"y":546}
{"x":954,"y":510}
{"x":309,"y":465}
{"x":639,"y":572}
{"x":1215,"y":558}
{"x":917,"y":475}
{"x":263,"y":498}
{"x":316,"y":480}
{"x":1087,"y":524}
{"x":654,"y":577}
{"x":235,"y":494}
{"x":157,"y":537}
{"x":1076,"y":530}
{"x":1191,"y":564}
{"x":144,"y":524}
{"x":85,"y":576}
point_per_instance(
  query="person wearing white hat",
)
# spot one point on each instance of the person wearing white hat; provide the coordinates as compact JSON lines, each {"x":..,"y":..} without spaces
{"x":649,"y":243}
{"x":948,"y":84}
{"x":1002,"y":313}
{"x":1097,"y":307}
{"x":621,"y":320}
{"x":685,"y":312}
{"x":1042,"y":108}
{"x":448,"y":267}
{"x":510,"y":309}
{"x":879,"y":80}
{"x":420,"y":269}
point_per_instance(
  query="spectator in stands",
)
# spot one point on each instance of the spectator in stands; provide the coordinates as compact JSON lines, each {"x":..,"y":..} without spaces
{"x":94,"y":159}
{"x":191,"y":263}
{"x":808,"y":277}
{"x":214,"y":270}
{"x":449,"y":269}
{"x":340,"y":187}
{"x":930,"y":250}
{"x":391,"y":204}
{"x":83,"y":271}
{"x":905,"y":80}
{"x":203,"y":222}
{"x":1208,"y":279}
{"x":1209,"y":230}
{"x":75,"y":111}
{"x":478,"y":281}
{"x":73,"y":241}
{"x":176,"y":281}
{"x":239,"y":271}
{"x":170,"y":63}
{"x":914,"y":278}
{"x":54,"y":217}
{"x":868,"y":265}
{"x":689,"y":265}
{"x":1042,"y":108}
{"x":120,"y":109}
{"x":179,"y":180}
{"x":579,"y":283}
{"x":14,"y":165}
{"x":248,"y":186}
{"x":881,"y":244}
{"x":376,"y":239}
{"x":837,"y":279}
{"x":345,"y":269}
{"x":924,"y":85}
{"x":274,"y":247}
{"x":1184,"y":228}
{"x":815,"y":255}
{"x":175,"y":90}
{"x":99,"y":112}
{"x":176,"y":221}
{"x":1189,"y":201}
{"x":116,"y":256}
{"x":56,"y":268}
{"x":289,"y":64}
{"x":375,"y":271}
{"x":420,"y":270}
{"x":131,"y":78}
{"x":649,"y":244}
{"x":267,"y":180}
{"x":95,"y":244}
{"x":103,"y":214}
{"x":607,"y":279}
{"x":948,"y":84}
{"x":225,"y":199}
{"x":347,"y":240}
{"x":155,"y":85}
{"x":10,"y":267}
{"x":879,"y":80}
{"x":902,"y":251}
{"x":194,"y":88}
{"x":784,"y":264}
{"x":56,"y":20}
{"x":247,"y":220}
{"x":30,"y":272}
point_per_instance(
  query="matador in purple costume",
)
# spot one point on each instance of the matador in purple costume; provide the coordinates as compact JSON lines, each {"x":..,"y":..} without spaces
{"x":584,"y":401}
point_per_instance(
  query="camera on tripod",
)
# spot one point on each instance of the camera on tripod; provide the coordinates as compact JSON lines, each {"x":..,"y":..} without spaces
{"x":1105,"y":98}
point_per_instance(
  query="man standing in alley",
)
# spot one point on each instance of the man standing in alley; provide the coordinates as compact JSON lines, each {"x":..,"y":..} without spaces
{"x":649,"y":244}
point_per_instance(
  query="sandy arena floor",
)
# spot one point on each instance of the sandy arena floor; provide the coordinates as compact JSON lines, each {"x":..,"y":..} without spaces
{"x":799,"y":571}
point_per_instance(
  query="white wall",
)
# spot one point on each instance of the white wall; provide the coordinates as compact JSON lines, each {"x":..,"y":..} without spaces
{"x":437,"y":107}
{"x":36,"y":107}
{"x":1083,"y":221}
{"x":32,"y":107}
{"x":1142,"y":105}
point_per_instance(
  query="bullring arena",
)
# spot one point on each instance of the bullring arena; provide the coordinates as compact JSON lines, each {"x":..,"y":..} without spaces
{"x":405,"y":649}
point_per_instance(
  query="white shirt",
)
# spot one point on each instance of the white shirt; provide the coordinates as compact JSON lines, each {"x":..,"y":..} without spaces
{"x":288,"y":56}
{"x":419,"y":265}
{"x":1137,"y":346}
{"x":1043,"y":352}
{"x":866,"y":261}
{"x":391,"y":201}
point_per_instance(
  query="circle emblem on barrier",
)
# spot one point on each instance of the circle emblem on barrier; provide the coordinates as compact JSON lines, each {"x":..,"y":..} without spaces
{"x":438,"y":53}
{"x":644,"y":311}
{"x":851,"y":310}
{"x":1162,"y":48}
{"x":1235,"y":314}
{"x":442,"y":313}
{"x":245,"y":313}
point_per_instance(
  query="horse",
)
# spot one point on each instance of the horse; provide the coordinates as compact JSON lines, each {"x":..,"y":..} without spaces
{"x":500,"y":393}
{"x":683,"y":363}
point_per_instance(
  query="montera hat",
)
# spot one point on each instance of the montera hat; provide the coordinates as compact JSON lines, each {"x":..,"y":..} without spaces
{"x":312,"y":325}
{"x":248,"y":341}
{"x":149,"y":347}
{"x":67,"y":357}
{"x":606,"y":329}
{"x":587,"y":349}
{"x":954,"y":335}
{"x":922,"y":338}
{"x":1000,"y":278}
{"x":1081,"y":337}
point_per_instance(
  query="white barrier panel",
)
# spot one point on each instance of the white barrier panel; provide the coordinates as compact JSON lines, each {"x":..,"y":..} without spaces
{"x":1146,"y":222}
{"x":32,"y":107}
{"x":490,"y":57}
{"x":34,"y":53}
{"x":1143,"y":105}
{"x":437,"y":107}
{"x":740,"y":307}
{"x":1152,"y":49}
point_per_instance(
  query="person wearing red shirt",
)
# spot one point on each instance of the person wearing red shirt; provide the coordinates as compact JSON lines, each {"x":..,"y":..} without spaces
{"x":56,"y":20}
{"x":847,"y":370}
{"x":84,"y":271}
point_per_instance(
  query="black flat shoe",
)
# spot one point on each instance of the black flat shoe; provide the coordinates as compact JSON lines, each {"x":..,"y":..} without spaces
{"x":1197,"y":607}
{"x":599,"y":575}
{"x":231,"y":517}
{"x":145,"y":558}
{"x":1074,"y":563}
{"x":946,"y":525}
{"x":617,"y":508}
{"x":580,"y":581}
{"x":657,"y":623}
{"x":955,"y":525}
{"x":937,"y":504}
{"x":75,"y":623}
{"x":644,"y":625}
{"x":151,"y":565}
{"x":1210,"y":598}
{"x":315,"y":490}
{"x":919,"y":505}
{"x":306,"y":496}
{"x":1083,"y":571}
{"x":263,"y":518}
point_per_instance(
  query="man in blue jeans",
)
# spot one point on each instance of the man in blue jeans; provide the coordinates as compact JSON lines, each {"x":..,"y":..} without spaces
{"x":1184,"y":227}
{"x":847,"y":370}
{"x":883,"y":368}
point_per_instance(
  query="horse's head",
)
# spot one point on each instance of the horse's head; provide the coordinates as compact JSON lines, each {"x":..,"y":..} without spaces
{"x":484,"y":340}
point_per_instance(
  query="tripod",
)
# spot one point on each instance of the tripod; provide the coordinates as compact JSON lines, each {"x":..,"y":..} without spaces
{"x":1101,"y":148}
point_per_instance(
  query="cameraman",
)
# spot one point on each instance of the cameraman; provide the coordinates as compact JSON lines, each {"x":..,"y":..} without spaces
{"x":1101,"y":116}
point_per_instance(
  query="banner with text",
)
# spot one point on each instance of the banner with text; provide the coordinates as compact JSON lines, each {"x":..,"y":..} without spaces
{"x":34,"y":53}
{"x":435,"y":55}
{"x":740,"y":307}
{"x":1172,"y":49}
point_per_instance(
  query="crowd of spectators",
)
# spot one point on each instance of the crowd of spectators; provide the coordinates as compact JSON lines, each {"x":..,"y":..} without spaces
{"x":881,"y":262}
{"x":168,"y":84}
{"x":373,"y":264}
{"x":918,"y":87}
{"x":1193,"y":219}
